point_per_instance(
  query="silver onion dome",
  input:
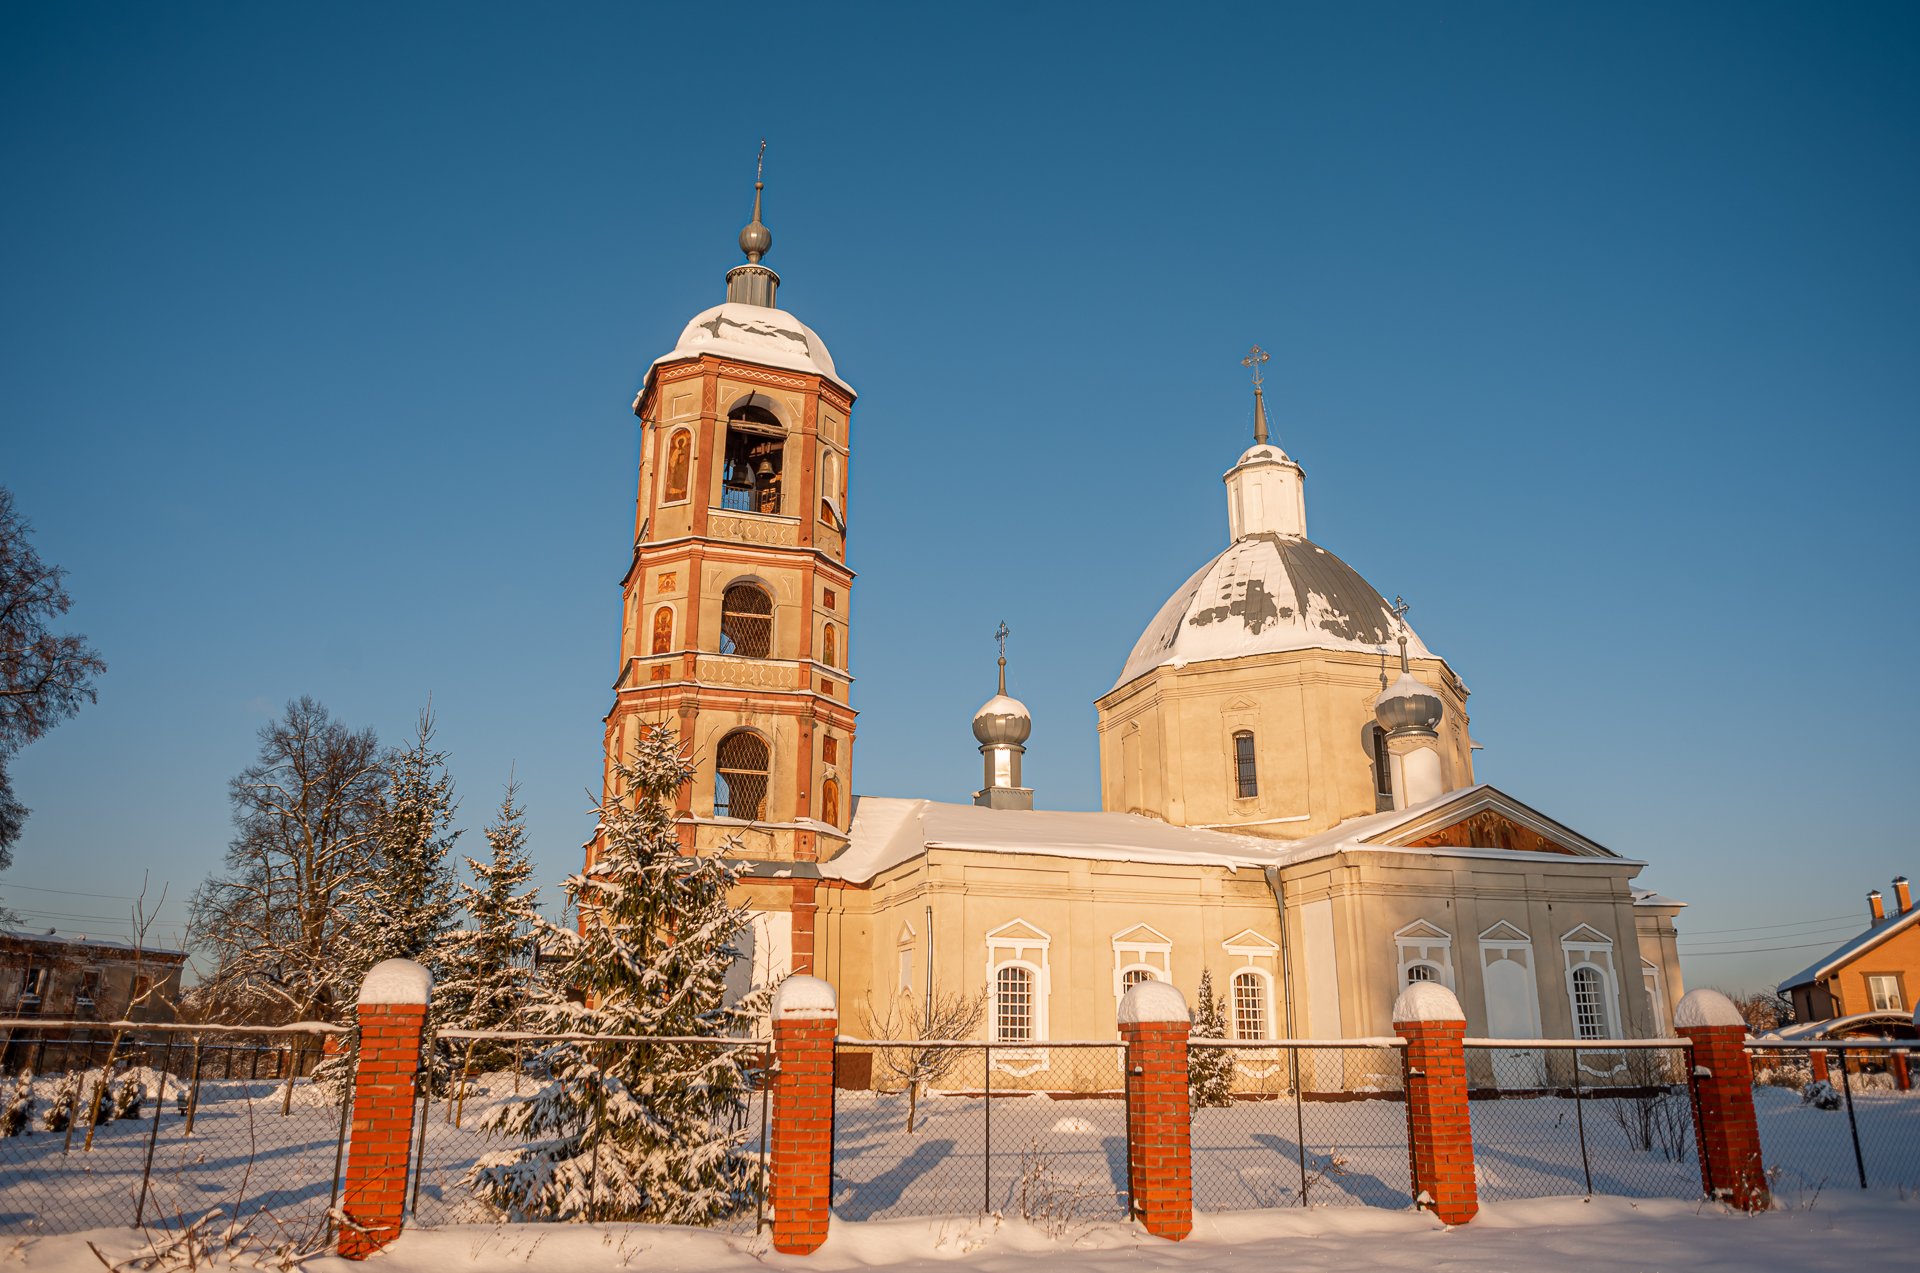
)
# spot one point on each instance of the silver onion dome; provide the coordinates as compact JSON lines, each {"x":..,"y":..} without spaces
{"x":1408,"y":707}
{"x":1002,"y":721}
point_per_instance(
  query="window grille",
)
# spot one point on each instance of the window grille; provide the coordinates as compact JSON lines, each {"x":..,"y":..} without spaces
{"x":746,"y":621}
{"x":1885,"y":992}
{"x":1013,"y":1005}
{"x":662,"y":630}
{"x":1249,"y":1006}
{"x":1134,"y":976}
{"x":740,"y":777}
{"x":1422,"y":972}
{"x":1245,"y":779}
{"x":1589,"y":1015}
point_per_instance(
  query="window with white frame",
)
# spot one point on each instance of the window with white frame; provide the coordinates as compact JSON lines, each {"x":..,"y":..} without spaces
{"x":1141,"y":953}
{"x":1426,"y":954}
{"x":1255,"y":960}
{"x":1589,"y":1002}
{"x":1884,"y":992}
{"x":1250,"y":1005}
{"x":1593,"y":994}
{"x":1013,"y":1007}
{"x":1021,"y":985}
{"x":1656,"y":994}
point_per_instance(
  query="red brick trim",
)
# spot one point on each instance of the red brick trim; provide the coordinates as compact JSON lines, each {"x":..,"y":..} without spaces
{"x":1724,"y":1124}
{"x":1159,"y":1128}
{"x":801,"y":1179}
{"x":1439,"y":1128}
{"x":375,"y":1194}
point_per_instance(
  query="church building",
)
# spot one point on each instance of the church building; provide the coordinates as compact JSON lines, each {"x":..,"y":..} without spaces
{"x":1287,"y":787}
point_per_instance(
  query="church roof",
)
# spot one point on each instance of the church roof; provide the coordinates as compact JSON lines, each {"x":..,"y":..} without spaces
{"x":1266,"y":593}
{"x":757,"y":334}
{"x":887,"y":831}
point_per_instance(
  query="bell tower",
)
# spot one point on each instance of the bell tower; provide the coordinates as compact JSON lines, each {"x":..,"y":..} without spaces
{"x":735,"y":606}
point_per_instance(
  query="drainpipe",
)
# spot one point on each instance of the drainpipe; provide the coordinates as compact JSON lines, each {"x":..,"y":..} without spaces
{"x":1286,"y":947}
{"x":928,"y":1019}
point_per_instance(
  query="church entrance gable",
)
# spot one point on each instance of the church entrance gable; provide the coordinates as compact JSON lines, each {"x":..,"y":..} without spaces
{"x":1489,"y":829}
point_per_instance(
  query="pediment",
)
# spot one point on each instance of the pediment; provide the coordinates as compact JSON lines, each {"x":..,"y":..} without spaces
{"x":1587,"y":935}
{"x":906,"y":935}
{"x":1421,"y":930}
{"x":1505,"y":932}
{"x":1487,"y":818}
{"x":1242,"y":704}
{"x":1141,"y":935}
{"x":1017,"y":931}
{"x":1247,"y":941}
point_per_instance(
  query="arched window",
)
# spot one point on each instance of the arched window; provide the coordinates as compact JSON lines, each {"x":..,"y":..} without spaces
{"x":1013,"y":1004}
{"x":830,"y":803}
{"x":663,"y":629}
{"x":1246,"y":780}
{"x":1249,"y":1006}
{"x":830,"y":489}
{"x":756,"y":451}
{"x":740,"y":776}
{"x":1422,"y":972}
{"x":746,"y":621}
{"x":1134,"y":976}
{"x":1382,"y":766}
{"x":1589,"y":1009}
{"x":829,"y":653}
{"x":679,"y":457}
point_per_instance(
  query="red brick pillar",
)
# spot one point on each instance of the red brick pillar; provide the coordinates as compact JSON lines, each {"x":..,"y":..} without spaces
{"x":1439,"y":1127}
{"x":1154,"y":1022}
{"x":1817,"y":1058}
{"x":1724,"y":1127}
{"x":806,"y":1016}
{"x":393,"y":1013}
{"x":1902,"y":1079}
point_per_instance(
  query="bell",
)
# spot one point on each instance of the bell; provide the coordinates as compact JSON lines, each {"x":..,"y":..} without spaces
{"x":766,"y":470}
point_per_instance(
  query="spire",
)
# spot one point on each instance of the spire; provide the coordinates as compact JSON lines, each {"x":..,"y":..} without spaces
{"x":753,"y":283}
{"x":1001,"y":636}
{"x":1399,"y":610}
{"x":1254,"y":358}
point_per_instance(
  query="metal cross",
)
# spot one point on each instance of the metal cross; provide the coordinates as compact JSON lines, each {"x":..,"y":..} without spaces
{"x":1254,"y":358}
{"x":761,"y":166}
{"x":1399,"y":609}
{"x":1001,"y":636}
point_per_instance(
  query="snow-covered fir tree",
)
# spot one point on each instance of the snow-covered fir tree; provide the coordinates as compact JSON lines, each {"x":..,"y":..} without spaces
{"x":405,"y":906}
{"x":486,"y":976}
{"x":17,"y":1118}
{"x":1209,"y":1070}
{"x":636,"y":1132}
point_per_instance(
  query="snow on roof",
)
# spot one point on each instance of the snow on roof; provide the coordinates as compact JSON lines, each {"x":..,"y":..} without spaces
{"x":756,"y":334}
{"x":887,"y":831}
{"x":113,"y":943}
{"x":1848,"y":949}
{"x":1647,"y":897}
{"x":1266,"y":593}
{"x":1807,"y":1030}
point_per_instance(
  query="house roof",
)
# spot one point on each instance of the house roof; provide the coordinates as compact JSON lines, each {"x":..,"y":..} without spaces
{"x":1851,"y":948}
{"x":101,"y":945}
{"x":888,"y":831}
{"x":1825,"y":1029}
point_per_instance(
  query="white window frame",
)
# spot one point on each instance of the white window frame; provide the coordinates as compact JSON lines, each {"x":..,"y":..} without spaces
{"x":1432,"y":947}
{"x":1153,"y":956}
{"x":1892,"y":983}
{"x":1656,"y":994}
{"x":1007,"y":947}
{"x":1587,"y":947}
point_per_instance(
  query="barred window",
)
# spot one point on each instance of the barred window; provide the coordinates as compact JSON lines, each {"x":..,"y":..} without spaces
{"x":1245,"y":779}
{"x":1249,"y":1006}
{"x":663,"y":629}
{"x":1589,"y":1014}
{"x":740,"y":776}
{"x":1422,"y":972}
{"x":1013,"y":1005}
{"x":746,"y":621}
{"x":1134,"y":976}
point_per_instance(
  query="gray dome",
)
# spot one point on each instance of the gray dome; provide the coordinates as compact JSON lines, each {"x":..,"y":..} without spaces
{"x":1266,"y":593}
{"x":755,"y":239}
{"x":1408,"y":706}
{"x":1002,"y":720}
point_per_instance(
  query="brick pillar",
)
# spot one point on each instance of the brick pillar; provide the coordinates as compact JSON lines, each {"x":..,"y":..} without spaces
{"x":1902,"y":1079}
{"x":1817,"y":1058}
{"x":1154,"y":1023}
{"x":1725,"y":1127}
{"x":1439,"y":1127}
{"x":806,"y":1016}
{"x":393,"y":1013}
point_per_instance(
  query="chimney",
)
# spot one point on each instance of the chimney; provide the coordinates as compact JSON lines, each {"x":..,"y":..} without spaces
{"x":1875,"y":911}
{"x":1902,"y":894}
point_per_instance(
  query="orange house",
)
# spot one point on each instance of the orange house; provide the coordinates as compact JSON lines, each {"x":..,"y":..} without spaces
{"x":1866,"y":985}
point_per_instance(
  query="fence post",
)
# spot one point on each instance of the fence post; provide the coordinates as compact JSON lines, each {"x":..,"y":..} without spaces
{"x":806,"y":1016}
{"x":393,"y":1015}
{"x":1439,"y":1123}
{"x":1725,"y":1129}
{"x":1154,"y":1023}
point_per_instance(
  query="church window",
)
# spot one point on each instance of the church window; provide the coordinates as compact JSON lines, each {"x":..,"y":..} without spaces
{"x":663,"y":629}
{"x":1013,"y":1005}
{"x":1422,"y":972}
{"x":1382,"y":764}
{"x":829,"y":648}
{"x":756,"y":447}
{"x":1246,"y":780}
{"x":1426,"y":954}
{"x":1589,"y":1007}
{"x":679,"y":456}
{"x":830,"y":803}
{"x":740,"y":776}
{"x":1249,"y":1006}
{"x":830,"y":501}
{"x":1134,"y":976}
{"x":746,"y":621}
{"x":1885,"y":992}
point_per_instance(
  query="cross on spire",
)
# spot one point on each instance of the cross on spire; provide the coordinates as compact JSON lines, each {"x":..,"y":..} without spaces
{"x":1399,"y":610}
{"x":1254,"y":358}
{"x":1001,"y":635}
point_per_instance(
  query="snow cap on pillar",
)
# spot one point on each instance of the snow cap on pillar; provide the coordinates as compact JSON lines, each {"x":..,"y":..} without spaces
{"x":1427,"y":1001}
{"x":1152,"y":1002}
{"x":396,"y":981}
{"x":801,"y":998}
{"x":1705,"y":1007}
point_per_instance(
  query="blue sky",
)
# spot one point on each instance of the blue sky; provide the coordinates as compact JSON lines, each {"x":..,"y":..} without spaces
{"x":1593,"y":327}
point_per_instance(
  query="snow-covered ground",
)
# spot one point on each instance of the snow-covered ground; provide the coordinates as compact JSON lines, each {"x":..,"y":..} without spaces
{"x":1879,"y":1229}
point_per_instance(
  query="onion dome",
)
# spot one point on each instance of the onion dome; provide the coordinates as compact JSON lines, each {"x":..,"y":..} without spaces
{"x":1002,"y":721}
{"x":1409,"y":708}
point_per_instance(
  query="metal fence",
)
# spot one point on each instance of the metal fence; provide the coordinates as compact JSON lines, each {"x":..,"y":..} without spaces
{"x":1309,"y":1123}
{"x":1555,"y":1117}
{"x":1858,"y":1128}
{"x":161,"y":1124}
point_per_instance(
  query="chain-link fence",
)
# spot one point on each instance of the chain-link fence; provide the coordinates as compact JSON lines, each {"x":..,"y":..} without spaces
{"x":1610,"y":1116}
{"x":1856,"y":1128}
{"x":1304,"y":1124}
{"x":934,"y":1128}
{"x":162,"y":1124}
{"x":475,"y":1076}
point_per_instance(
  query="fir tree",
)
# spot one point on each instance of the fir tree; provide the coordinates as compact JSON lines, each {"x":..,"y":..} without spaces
{"x":17,"y":1118}
{"x":406,"y":905}
{"x":636,"y":1132}
{"x":483,"y":985}
{"x":1209,"y":1070}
